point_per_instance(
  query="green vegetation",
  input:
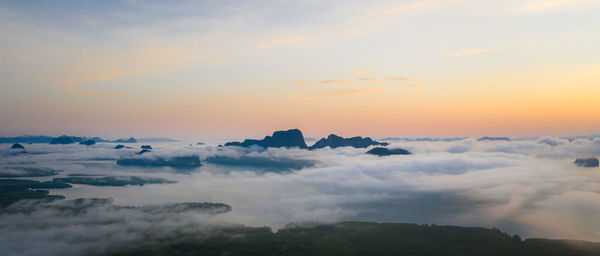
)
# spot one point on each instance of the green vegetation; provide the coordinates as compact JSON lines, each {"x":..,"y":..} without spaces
{"x":12,"y":190}
{"x":361,"y":238}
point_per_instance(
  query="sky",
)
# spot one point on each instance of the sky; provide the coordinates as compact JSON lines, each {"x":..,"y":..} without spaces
{"x":213,"y":69}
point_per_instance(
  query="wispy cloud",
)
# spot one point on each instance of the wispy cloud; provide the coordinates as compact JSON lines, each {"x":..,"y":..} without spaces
{"x":416,"y":84}
{"x":358,"y":71}
{"x":473,"y":51}
{"x":412,"y":83}
{"x":99,"y":68}
{"x":300,"y":82}
{"x":334,"y":81}
{"x":356,"y":91}
{"x":285,"y":41}
{"x":81,"y":85}
{"x":398,"y":78}
{"x":370,"y":79}
{"x":366,"y":78}
{"x":546,"y":6}
{"x":408,"y":7}
{"x":345,"y":92}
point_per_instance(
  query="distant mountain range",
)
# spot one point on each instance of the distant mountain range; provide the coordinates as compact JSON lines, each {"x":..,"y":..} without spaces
{"x":65,"y":139}
{"x":147,"y":140}
{"x":422,"y":139}
{"x":591,"y":137}
{"x":334,"y":141}
{"x":294,"y":138}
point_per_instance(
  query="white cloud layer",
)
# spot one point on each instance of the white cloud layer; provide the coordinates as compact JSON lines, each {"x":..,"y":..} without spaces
{"x":530,"y":187}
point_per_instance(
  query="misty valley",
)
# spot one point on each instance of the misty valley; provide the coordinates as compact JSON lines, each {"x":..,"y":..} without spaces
{"x":280,"y":196}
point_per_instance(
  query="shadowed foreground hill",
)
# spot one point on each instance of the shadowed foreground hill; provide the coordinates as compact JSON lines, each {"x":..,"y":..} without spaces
{"x":362,"y":238}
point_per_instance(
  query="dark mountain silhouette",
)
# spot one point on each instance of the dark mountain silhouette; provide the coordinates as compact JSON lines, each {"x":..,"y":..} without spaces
{"x":379,"y":151}
{"x":17,"y":146}
{"x":334,"y":141}
{"x":98,"y":139}
{"x":17,"y":149}
{"x":449,"y":139}
{"x":62,"y":140}
{"x":587,"y":162}
{"x":120,"y":146}
{"x":150,"y":140}
{"x":47,"y":139}
{"x":146,"y":147}
{"x":26,"y":139}
{"x":288,"y":139}
{"x":76,"y":139}
{"x":87,"y":142}
{"x":40,"y":139}
{"x":130,"y":140}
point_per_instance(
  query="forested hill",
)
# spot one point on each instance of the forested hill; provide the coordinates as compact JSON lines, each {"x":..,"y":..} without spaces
{"x":362,"y":238}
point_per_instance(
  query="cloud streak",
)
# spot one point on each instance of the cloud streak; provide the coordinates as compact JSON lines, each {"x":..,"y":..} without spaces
{"x":370,"y":79}
{"x":549,"y":6}
{"x":359,"y":71}
{"x":295,"y":40}
{"x":473,"y":51}
{"x":334,"y":82}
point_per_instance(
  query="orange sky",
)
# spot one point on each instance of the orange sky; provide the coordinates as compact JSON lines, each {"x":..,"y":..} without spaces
{"x":407,"y":68}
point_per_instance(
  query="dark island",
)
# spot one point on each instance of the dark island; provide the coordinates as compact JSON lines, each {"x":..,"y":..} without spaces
{"x":587,"y":162}
{"x":12,"y":190}
{"x":334,"y":141}
{"x":87,"y":142}
{"x":379,"y":151}
{"x":62,"y":140}
{"x":17,"y":146}
{"x":17,"y":149}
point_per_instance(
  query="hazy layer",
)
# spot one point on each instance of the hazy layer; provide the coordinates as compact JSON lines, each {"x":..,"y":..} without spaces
{"x":528,"y":187}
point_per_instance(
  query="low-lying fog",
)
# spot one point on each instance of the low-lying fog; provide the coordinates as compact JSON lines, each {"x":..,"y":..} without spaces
{"x":529,"y":187}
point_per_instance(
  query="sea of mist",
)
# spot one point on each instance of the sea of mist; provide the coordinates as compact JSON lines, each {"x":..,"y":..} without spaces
{"x":528,"y":187}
